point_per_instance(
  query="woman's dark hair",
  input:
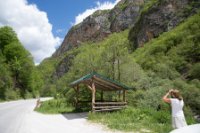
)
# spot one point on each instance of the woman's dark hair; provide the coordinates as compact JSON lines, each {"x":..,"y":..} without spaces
{"x":176,"y":94}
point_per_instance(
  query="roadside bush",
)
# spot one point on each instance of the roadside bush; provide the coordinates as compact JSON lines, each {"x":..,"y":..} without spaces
{"x":11,"y":94}
{"x":55,"y":106}
{"x":28,"y":95}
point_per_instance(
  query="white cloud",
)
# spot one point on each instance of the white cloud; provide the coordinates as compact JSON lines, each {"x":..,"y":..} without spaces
{"x":99,"y":6}
{"x":32,"y":27}
{"x":60,"y":30}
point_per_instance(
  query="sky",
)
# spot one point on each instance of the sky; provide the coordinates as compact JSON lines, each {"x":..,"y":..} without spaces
{"x":41,"y":25}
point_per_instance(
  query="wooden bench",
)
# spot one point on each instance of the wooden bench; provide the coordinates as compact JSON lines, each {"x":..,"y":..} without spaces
{"x":108,"y":106}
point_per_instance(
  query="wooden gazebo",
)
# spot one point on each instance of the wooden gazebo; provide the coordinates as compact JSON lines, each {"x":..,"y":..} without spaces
{"x":94,"y":82}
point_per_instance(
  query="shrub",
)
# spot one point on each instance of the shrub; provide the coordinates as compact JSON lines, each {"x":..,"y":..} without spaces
{"x":162,"y":117}
{"x":195,"y":82}
{"x":189,"y":115}
{"x":153,"y":97}
{"x":191,"y":97}
{"x":28,"y":95}
{"x":55,"y":106}
{"x":11,"y":94}
{"x":195,"y":71}
{"x":133,"y":97}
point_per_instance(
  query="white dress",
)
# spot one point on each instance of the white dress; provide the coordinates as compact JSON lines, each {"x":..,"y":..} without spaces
{"x":178,"y":118}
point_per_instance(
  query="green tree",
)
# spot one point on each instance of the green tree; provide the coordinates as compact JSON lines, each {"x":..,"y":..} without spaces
{"x":5,"y":77}
{"x":115,"y":49}
{"x":17,"y":71}
{"x":7,"y":35}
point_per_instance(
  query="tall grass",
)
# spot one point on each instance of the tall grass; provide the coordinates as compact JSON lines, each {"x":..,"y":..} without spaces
{"x":136,"y":119}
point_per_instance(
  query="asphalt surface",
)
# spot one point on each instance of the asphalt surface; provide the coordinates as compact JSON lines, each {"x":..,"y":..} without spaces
{"x":19,"y":117}
{"x":14,"y":114}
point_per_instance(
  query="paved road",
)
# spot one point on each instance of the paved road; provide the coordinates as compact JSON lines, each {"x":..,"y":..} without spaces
{"x":13,"y":115}
{"x":19,"y":117}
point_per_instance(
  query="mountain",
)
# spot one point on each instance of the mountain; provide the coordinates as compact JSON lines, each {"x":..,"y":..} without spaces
{"x":100,"y":24}
{"x":146,"y":19}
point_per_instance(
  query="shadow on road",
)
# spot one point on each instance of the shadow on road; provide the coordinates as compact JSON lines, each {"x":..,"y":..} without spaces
{"x":71,"y":116}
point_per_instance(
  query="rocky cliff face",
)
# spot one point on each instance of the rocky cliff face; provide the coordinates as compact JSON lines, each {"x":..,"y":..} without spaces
{"x":147,"y":23}
{"x":63,"y":67}
{"x":100,"y":24}
{"x":161,"y":17}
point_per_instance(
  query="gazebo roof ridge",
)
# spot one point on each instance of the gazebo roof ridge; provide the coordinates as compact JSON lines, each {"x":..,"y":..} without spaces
{"x":99,"y":78}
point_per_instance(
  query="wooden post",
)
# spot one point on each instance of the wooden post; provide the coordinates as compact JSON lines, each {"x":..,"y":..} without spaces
{"x":93,"y":96}
{"x":77,"y":96}
{"x":119,"y":95}
{"x":124,"y":96}
{"x":102,"y":96}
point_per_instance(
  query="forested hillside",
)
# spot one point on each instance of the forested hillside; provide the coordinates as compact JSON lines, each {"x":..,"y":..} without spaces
{"x":18,"y":75}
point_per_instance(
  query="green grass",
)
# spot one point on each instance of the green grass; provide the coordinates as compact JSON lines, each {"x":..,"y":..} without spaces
{"x":123,"y":5}
{"x":100,"y":12}
{"x":55,"y":106}
{"x":148,"y":5}
{"x":1,"y":101}
{"x":135,"y":119}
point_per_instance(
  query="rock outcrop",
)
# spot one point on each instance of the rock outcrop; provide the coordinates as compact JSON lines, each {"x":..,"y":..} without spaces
{"x":161,"y":17}
{"x":100,"y":24}
{"x":63,"y":67}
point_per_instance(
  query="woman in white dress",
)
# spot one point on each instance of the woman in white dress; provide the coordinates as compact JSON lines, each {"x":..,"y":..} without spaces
{"x":176,"y":101}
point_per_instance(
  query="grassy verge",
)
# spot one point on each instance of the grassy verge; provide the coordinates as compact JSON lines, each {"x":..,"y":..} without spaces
{"x":1,"y":101}
{"x":55,"y":106}
{"x":135,"y":119}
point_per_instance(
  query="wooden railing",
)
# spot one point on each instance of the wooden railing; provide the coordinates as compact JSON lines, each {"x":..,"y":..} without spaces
{"x":108,"y":106}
